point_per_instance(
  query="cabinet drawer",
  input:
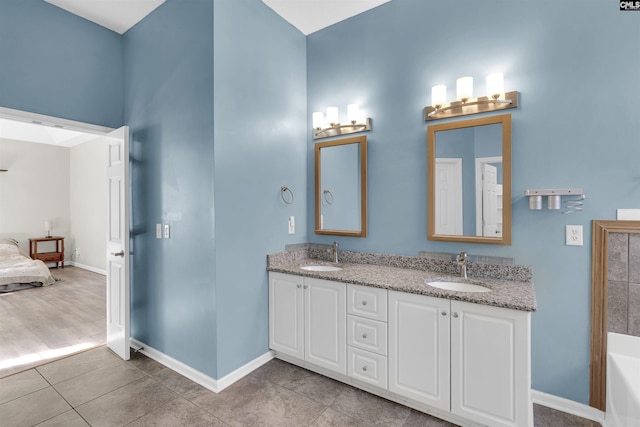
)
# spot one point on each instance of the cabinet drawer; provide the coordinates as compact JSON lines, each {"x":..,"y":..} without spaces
{"x":49,"y":257}
{"x":367,"y":334}
{"x":368,"y":367}
{"x":367,"y":302}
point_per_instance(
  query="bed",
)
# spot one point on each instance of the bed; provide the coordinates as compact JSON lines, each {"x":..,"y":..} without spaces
{"x":18,"y":271}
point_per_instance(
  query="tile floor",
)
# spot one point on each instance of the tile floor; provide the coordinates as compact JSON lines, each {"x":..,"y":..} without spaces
{"x":97,"y":388}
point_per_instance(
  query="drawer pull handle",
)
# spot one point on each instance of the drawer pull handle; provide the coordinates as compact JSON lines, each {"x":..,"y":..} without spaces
{"x":444,"y":313}
{"x":364,"y":368}
{"x":299,"y":285}
{"x":364,"y":336}
{"x":455,"y":315}
{"x":306,"y":286}
{"x":364,"y":303}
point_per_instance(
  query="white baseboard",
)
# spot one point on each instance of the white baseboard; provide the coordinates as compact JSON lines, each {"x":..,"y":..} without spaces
{"x":87,"y":267}
{"x":196,"y":376}
{"x":568,"y":406}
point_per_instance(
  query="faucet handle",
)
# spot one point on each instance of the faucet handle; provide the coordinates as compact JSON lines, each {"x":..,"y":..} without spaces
{"x":461,"y":257}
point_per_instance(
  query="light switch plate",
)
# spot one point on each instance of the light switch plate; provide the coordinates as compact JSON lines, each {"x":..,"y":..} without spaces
{"x":574,"y":235}
{"x":292,"y":225}
{"x":158,"y":231}
{"x":166,"y":231}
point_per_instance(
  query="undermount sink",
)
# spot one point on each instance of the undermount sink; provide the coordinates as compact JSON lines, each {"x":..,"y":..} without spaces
{"x":320,"y":268}
{"x":458,"y":286}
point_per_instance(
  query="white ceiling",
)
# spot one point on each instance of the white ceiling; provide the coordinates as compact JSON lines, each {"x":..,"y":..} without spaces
{"x":312,"y":15}
{"x":116,"y":15}
{"x":42,"y":134}
{"x":306,"y":15}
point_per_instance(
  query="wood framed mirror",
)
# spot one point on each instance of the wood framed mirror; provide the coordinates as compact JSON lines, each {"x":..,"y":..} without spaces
{"x":469,"y":181}
{"x":341,"y":187}
{"x":600,"y":271}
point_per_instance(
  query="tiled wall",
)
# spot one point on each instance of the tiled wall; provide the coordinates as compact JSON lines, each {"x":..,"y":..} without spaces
{"x":623,"y":310}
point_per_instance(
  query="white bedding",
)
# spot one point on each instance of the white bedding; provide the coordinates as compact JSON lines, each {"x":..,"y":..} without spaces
{"x":17,"y":268}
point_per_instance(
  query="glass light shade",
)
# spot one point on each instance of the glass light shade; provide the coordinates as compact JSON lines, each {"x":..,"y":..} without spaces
{"x":353,"y":112}
{"x":464,"y":88}
{"x":318,"y":120}
{"x":438,"y":96}
{"x":332,"y":115}
{"x":495,"y":86}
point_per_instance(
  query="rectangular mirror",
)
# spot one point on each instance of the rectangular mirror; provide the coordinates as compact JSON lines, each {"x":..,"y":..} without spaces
{"x":469,"y":181}
{"x":341,"y":187}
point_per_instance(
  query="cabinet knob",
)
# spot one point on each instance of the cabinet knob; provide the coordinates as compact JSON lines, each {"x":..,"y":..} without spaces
{"x":444,"y":313}
{"x":454,"y":314}
{"x":306,"y":286}
{"x":364,"y":336}
{"x":299,"y":285}
{"x":364,"y":303}
{"x":364,"y":368}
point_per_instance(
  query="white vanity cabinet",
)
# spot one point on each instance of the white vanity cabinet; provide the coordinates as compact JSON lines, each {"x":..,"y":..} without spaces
{"x":469,"y":359}
{"x":367,"y":334}
{"x":307,"y":320}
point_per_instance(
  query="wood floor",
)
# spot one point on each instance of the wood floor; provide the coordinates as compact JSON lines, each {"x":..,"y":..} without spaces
{"x":39,"y":325}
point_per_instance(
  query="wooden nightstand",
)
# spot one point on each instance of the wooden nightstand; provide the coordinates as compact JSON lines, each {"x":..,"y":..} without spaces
{"x":47,"y":257}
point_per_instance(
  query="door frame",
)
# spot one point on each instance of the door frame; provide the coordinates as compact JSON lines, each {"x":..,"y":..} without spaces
{"x":44,"y":120}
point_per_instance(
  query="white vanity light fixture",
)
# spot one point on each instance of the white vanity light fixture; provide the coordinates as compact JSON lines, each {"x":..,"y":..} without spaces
{"x":496,"y":99}
{"x":554,"y":199}
{"x":329,"y":125}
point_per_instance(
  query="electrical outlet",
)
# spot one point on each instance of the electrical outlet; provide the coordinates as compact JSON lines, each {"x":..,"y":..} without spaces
{"x":292,"y":225}
{"x":573,"y":235}
{"x":76,"y":253}
{"x":166,"y":231}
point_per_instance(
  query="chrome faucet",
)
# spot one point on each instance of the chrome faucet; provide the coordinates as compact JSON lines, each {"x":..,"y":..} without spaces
{"x":334,"y":249}
{"x":461,"y":259}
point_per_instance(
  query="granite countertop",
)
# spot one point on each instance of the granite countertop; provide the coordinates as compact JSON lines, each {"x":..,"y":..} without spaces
{"x":517,"y":295}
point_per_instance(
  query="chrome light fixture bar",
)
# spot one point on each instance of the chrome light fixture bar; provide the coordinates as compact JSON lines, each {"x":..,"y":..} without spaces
{"x":325,"y":127}
{"x":466,"y":103}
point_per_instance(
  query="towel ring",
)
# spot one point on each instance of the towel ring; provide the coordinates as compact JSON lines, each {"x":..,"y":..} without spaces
{"x":283,"y":191}
{"x":328,"y":197}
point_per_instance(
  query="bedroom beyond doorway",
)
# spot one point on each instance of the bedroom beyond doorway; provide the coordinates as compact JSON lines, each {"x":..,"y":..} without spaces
{"x":47,"y":323}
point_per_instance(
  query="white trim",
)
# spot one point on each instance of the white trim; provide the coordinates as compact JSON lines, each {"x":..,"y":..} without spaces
{"x":194,"y":375}
{"x":86,"y":267}
{"x":41,"y":119}
{"x":568,"y":406}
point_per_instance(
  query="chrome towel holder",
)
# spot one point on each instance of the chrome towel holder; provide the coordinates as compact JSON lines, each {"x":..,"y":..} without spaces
{"x":283,"y":193}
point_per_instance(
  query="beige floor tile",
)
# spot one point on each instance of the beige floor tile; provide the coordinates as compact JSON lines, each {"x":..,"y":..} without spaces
{"x":126,"y":404}
{"x":33,"y":408}
{"x":174,"y":381}
{"x":68,"y":419}
{"x":332,"y":418}
{"x":373,"y":410}
{"x":21,"y":384}
{"x":178,"y":412}
{"x":64,"y":369}
{"x":255,"y":402}
{"x":93,"y":384}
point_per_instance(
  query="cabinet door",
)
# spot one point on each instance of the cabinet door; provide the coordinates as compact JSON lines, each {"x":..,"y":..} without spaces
{"x":490,"y":368}
{"x":419,"y":348}
{"x":286,"y":319}
{"x":326,"y":324}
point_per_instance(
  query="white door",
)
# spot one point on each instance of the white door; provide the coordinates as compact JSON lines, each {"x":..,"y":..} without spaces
{"x":286,"y":318}
{"x":326,"y":324}
{"x":490,"y":373}
{"x":419,"y":348}
{"x":448,"y":195}
{"x":490,"y":201}
{"x":118,"y":325}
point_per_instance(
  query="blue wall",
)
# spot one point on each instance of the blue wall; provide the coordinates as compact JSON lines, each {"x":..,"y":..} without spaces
{"x":168,"y":73}
{"x":55,"y":63}
{"x":260,"y":146}
{"x":576,"y":69}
